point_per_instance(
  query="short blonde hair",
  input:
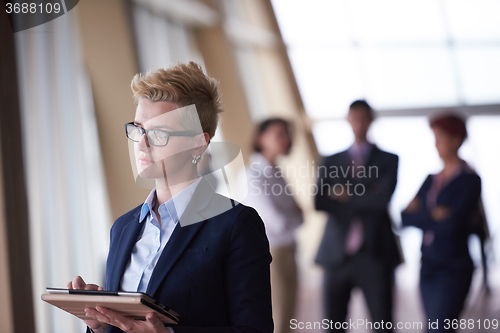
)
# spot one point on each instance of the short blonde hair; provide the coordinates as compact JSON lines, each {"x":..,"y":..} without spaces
{"x":182,"y":84}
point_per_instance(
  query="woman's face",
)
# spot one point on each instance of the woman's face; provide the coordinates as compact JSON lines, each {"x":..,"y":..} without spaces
{"x":360,"y":122}
{"x":275,"y":140}
{"x":446,"y":144}
{"x":176,"y":155}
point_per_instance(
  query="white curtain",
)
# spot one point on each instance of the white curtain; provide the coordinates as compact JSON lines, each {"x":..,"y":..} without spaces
{"x":161,"y":41}
{"x":67,"y":198}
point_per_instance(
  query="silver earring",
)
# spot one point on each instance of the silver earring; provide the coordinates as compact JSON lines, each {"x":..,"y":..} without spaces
{"x":196,"y":159}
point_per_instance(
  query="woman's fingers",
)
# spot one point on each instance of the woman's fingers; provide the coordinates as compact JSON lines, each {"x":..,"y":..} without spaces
{"x":107,"y":316}
{"x":413,"y":206}
{"x":98,"y":320}
{"x":116,"y":319}
{"x":78,"y":283}
{"x":91,"y":286}
{"x":440,"y":213}
{"x":97,"y":317}
{"x":154,"y":321}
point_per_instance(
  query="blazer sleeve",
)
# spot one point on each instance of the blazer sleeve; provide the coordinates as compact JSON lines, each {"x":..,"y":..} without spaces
{"x":464,"y":204}
{"x":274,"y":209}
{"x":378,"y":193}
{"x":324,"y":186}
{"x":247,"y":279}
{"x":421,"y":218}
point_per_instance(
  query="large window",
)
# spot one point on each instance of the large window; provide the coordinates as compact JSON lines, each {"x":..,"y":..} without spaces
{"x":67,"y":196}
{"x":161,"y":40}
{"x":411,"y":57}
{"x":396,"y":54}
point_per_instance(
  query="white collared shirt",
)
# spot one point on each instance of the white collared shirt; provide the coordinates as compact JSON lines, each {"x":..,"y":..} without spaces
{"x":362,"y":150}
{"x":271,"y":196}
{"x":154,"y":237}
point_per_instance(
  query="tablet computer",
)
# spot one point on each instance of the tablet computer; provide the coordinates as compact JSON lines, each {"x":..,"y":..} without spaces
{"x":130,"y":304}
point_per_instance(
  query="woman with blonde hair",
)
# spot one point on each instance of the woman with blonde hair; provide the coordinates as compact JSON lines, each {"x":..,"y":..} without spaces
{"x":199,"y":253}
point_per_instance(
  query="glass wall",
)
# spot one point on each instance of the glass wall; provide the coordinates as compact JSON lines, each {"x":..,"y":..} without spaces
{"x":396,"y":54}
{"x":404,"y":56}
{"x":67,"y":195}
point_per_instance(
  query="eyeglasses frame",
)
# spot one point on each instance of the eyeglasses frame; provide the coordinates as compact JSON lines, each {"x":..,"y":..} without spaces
{"x":169,"y":134}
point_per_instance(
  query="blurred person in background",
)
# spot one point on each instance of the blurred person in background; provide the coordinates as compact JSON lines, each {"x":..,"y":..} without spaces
{"x":359,"y":248}
{"x":447,"y":210}
{"x":269,"y":195}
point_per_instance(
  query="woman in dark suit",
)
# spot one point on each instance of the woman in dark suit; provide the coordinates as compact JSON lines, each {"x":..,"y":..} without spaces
{"x":446,"y":208}
{"x":198,"y":252}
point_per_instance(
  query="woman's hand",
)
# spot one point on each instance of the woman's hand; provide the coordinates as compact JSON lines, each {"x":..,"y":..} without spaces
{"x":79,"y":284}
{"x":151,"y":325}
{"x":440,"y":213}
{"x":414,"y":206}
{"x":342,"y":197}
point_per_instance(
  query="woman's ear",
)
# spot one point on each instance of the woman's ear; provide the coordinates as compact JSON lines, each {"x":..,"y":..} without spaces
{"x":206,"y":136}
{"x":201,"y":141}
{"x":258,"y":141}
{"x":457,"y":142}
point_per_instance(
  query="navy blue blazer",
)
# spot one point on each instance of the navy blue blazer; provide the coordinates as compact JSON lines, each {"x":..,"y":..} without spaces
{"x":214,"y":273}
{"x":449,"y":247}
{"x":371,"y":207}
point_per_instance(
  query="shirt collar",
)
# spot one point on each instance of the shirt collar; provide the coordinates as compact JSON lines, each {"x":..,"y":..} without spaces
{"x":148,"y":205}
{"x":174,"y":206}
{"x":362,"y":149}
{"x":259,"y":160}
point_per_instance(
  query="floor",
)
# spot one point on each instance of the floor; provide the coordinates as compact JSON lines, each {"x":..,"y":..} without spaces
{"x":481,"y":307}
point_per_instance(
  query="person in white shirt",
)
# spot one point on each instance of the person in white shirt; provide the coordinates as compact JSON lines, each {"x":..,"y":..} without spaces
{"x":269,"y":195}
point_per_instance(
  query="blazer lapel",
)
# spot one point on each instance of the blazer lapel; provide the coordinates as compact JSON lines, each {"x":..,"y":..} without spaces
{"x":182,"y":235}
{"x":126,"y":242}
{"x":345,"y":159}
{"x":344,"y":163}
{"x":372,"y":155}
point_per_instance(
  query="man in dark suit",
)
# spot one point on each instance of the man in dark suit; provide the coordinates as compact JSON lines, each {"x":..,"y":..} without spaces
{"x":358,"y":248}
{"x":201,"y":254}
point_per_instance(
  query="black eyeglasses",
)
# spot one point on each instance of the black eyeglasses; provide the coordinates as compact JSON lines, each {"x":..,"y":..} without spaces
{"x":156,"y":137}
